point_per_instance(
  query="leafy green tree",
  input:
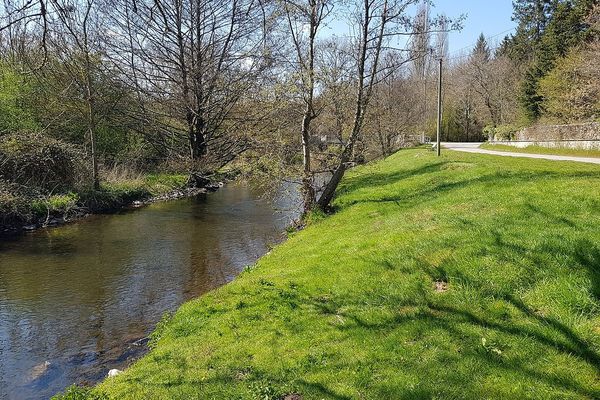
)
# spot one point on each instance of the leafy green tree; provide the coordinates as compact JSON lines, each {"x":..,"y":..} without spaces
{"x":571,"y":91}
{"x":552,"y":32}
{"x":15,"y":93}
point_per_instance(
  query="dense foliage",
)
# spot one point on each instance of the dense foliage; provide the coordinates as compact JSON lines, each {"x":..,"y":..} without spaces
{"x":544,"y":38}
{"x":40,"y":161}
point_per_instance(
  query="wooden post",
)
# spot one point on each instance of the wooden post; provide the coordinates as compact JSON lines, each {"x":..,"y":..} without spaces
{"x":439,"y":119}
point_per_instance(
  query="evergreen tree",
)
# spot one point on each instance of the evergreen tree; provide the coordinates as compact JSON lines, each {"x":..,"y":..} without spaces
{"x":564,"y":29}
{"x":530,"y":99}
{"x":482,"y":50}
{"x":532,"y":17}
{"x":504,"y":48}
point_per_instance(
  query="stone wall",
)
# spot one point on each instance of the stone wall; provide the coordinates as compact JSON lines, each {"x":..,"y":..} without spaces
{"x":587,"y":131}
{"x":565,"y":144}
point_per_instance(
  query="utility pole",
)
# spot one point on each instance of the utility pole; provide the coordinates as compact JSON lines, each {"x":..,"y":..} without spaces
{"x":439,"y":119}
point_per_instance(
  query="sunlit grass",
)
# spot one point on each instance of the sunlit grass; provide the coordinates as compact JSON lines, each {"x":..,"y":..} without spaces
{"x":460,"y":277}
{"x":559,"y":151}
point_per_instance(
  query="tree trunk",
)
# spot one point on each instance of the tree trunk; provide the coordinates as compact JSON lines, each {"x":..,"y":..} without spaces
{"x":338,"y":174}
{"x":197,"y":137}
{"x":91,"y":117}
{"x":308,"y":191}
{"x":363,"y":96}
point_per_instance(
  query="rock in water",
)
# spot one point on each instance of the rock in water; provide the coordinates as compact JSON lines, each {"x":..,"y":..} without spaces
{"x":114,"y":372}
{"x":39,"y":370}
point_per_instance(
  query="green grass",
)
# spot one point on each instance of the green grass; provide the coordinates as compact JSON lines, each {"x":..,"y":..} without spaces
{"x":59,"y":203}
{"x":161,"y":183}
{"x":461,"y":277}
{"x":542,"y":150}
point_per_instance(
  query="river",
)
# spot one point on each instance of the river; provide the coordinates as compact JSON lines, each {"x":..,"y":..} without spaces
{"x":78,"y":300}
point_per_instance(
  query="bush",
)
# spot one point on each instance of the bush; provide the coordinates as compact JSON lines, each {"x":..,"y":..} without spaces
{"x":501,"y":132}
{"x":35,"y":160}
{"x":572,"y":90}
{"x":14,"y":206}
{"x":55,"y":205}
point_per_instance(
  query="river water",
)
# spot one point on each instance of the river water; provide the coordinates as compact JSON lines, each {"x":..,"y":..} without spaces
{"x":78,"y":300}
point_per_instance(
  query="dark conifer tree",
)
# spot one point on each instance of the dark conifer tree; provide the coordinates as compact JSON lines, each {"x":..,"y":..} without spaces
{"x":482,"y":49}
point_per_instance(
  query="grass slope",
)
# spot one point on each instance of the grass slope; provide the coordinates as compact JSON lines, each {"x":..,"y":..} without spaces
{"x":561,"y":151}
{"x":463,"y":277}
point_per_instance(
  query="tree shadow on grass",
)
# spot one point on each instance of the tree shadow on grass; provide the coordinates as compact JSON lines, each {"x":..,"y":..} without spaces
{"x":547,"y":334}
{"x":587,"y":255}
{"x":322,"y":390}
{"x":447,"y":318}
{"x":536,"y":210}
{"x":450,"y":319}
{"x":571,"y":345}
{"x":354,"y":183}
{"x":499,"y":179}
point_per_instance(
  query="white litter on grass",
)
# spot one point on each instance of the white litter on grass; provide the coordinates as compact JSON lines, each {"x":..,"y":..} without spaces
{"x":114,"y":372}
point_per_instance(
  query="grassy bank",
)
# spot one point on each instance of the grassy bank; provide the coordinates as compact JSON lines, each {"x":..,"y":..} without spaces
{"x":461,"y":277}
{"x":19,"y":207}
{"x":542,"y":150}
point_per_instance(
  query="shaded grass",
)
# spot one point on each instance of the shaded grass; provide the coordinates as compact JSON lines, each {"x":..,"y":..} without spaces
{"x":348,"y":308}
{"x":543,"y":150}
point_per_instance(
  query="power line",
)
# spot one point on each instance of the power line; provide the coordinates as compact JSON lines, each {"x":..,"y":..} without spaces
{"x":488,"y":38}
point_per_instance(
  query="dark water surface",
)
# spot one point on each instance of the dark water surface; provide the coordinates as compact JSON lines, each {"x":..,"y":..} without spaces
{"x":78,"y":300}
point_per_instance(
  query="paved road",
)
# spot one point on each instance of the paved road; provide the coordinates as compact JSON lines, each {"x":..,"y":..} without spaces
{"x":474,"y":148}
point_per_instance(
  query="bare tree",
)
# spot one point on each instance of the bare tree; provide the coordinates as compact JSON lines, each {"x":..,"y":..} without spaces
{"x":420,"y":45}
{"x":494,"y":81}
{"x":79,"y":27}
{"x":304,"y":20}
{"x":72,"y":31}
{"x":392,"y":114}
{"x":197,"y":61}
{"x":376,"y":22}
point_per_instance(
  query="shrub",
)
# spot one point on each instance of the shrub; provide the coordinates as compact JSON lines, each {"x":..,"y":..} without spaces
{"x":57,"y":204}
{"x":14,"y":206}
{"x":501,"y":132}
{"x":35,"y":160}
{"x":572,"y":90}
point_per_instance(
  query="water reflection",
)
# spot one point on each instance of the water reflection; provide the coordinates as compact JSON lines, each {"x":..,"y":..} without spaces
{"x":75,"y":301}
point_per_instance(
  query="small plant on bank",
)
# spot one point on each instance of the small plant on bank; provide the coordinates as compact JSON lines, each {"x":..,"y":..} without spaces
{"x":56,"y":204}
{"x":75,"y":392}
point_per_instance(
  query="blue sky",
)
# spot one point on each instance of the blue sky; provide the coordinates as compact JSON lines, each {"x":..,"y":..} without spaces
{"x":488,"y":16}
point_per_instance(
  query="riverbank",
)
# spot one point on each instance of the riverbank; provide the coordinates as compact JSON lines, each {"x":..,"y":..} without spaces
{"x":25,"y":212}
{"x":467,"y":276}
